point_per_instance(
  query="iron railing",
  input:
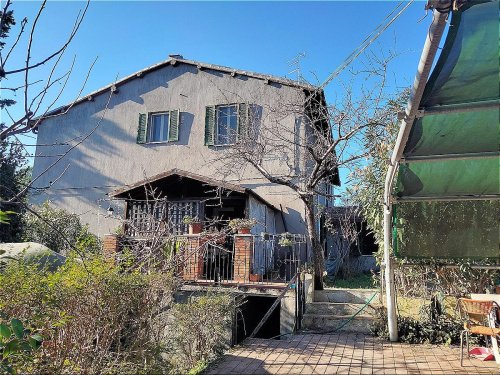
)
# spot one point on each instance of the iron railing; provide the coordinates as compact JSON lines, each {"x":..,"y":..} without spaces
{"x":242,"y":259}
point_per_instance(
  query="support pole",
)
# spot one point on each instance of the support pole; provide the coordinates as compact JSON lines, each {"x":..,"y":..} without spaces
{"x":390,"y":291}
{"x":424,"y":67}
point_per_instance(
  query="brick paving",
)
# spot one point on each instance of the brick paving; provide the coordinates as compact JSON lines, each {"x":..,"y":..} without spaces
{"x":347,"y":353}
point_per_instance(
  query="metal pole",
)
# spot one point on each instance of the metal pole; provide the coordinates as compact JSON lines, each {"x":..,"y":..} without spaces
{"x":428,"y":53}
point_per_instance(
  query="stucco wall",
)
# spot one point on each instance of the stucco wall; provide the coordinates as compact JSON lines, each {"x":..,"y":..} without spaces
{"x":110,"y":157}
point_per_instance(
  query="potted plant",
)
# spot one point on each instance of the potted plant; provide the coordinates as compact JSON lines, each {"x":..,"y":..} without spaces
{"x":195,"y":225}
{"x":286,"y":239}
{"x":242,"y":226}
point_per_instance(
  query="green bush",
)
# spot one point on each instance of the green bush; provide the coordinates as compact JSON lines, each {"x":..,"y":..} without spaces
{"x":17,"y":344}
{"x":433,"y":327}
{"x":93,"y":317}
{"x":59,"y":230}
{"x":201,"y":331}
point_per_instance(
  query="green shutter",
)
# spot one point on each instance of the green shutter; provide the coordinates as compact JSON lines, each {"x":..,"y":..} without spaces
{"x":243,"y":109}
{"x":173,"y":128}
{"x":142,"y":128}
{"x":209,"y":126}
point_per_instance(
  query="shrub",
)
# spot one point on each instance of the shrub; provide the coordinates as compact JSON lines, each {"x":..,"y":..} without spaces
{"x":433,"y":327}
{"x":93,"y":317}
{"x":202,"y":330}
{"x":17,"y":343}
{"x":70,"y":231}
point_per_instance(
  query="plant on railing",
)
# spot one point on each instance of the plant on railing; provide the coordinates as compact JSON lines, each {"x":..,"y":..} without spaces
{"x":241,"y":226}
{"x":17,"y":344}
{"x":286,"y":239}
{"x":190,"y":219}
{"x":195,"y":225}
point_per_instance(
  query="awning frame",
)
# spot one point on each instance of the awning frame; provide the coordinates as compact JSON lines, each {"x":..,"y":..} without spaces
{"x":436,"y":30}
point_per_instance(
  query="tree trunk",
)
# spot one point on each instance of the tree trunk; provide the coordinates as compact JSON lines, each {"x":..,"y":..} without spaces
{"x":317,"y":249}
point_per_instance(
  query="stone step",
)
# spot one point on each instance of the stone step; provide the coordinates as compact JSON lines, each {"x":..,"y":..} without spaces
{"x":356,"y":296}
{"x":327,"y":323}
{"x":337,"y":308}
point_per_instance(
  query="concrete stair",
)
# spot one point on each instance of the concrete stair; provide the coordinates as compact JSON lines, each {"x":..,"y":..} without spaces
{"x":332,"y":308}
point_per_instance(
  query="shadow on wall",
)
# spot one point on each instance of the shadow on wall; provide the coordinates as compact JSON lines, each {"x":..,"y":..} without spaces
{"x":83,"y":174}
{"x":294,"y":221}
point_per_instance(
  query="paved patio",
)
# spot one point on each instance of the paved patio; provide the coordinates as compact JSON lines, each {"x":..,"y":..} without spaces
{"x":345,"y":354}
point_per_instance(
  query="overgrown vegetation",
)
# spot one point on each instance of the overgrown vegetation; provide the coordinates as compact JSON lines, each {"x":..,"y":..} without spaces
{"x":17,"y":343}
{"x":96,"y":317}
{"x":202,"y":330}
{"x":59,"y":230}
{"x":367,"y":181}
{"x":97,"y":314}
{"x":14,"y":176}
{"x":433,"y":325}
{"x":92,"y":317}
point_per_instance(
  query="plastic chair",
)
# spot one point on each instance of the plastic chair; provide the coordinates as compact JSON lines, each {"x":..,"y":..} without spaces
{"x":476,"y":314}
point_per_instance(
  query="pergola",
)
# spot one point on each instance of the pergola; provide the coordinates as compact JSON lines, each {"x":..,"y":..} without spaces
{"x":442,"y":188}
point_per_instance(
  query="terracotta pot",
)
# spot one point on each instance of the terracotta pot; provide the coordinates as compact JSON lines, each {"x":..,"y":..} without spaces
{"x":255,"y":277}
{"x":243,"y":230}
{"x":195,"y":228}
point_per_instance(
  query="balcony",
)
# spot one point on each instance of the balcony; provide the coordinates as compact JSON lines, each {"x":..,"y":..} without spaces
{"x":220,"y":259}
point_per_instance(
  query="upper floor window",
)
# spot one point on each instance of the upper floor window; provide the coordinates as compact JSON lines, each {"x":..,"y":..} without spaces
{"x":225,"y":124}
{"x":158,"y":127}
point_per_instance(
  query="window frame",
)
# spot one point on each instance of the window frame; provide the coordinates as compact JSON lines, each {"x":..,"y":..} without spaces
{"x":237,"y":115}
{"x":149,"y":128}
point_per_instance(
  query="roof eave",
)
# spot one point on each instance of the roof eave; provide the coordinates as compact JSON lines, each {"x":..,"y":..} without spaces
{"x":174,"y":61}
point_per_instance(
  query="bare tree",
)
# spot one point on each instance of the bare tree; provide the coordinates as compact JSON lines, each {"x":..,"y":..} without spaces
{"x":38,"y":96}
{"x":330,"y":137}
{"x":342,"y":223}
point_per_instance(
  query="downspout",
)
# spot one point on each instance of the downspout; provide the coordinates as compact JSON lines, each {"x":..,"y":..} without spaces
{"x":436,"y":29}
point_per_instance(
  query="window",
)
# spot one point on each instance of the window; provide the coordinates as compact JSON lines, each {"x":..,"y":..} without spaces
{"x":148,"y":218}
{"x":225,"y":124}
{"x":158,"y":127}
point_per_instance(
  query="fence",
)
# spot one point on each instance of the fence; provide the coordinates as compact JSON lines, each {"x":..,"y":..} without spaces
{"x":242,"y":258}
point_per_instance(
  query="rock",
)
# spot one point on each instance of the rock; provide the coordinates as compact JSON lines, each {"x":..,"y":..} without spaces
{"x":31,"y":253}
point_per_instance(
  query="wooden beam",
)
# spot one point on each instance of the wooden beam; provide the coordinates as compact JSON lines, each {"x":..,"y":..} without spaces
{"x":272,"y":308}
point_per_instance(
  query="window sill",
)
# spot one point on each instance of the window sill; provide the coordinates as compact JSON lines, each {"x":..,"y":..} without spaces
{"x":159,"y":143}
{"x":224,"y":145}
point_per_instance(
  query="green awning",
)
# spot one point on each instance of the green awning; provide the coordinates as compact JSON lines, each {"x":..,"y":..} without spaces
{"x":454,"y":133}
{"x":467,"y":69}
{"x":474,"y":177}
{"x":451,"y":161}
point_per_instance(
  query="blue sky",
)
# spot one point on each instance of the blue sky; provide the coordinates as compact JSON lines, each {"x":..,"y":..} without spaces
{"x":257,"y":36}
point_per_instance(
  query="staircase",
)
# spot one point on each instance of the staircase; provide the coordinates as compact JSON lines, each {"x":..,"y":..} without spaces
{"x":332,"y":308}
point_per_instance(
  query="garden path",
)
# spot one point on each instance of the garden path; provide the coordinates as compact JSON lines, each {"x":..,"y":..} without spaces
{"x":345,"y":354}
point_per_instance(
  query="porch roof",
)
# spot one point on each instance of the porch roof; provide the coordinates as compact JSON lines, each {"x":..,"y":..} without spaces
{"x":174,"y":176}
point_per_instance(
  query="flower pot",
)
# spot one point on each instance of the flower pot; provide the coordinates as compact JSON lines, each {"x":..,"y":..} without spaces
{"x":253,"y":277}
{"x":243,"y":230}
{"x":195,"y":228}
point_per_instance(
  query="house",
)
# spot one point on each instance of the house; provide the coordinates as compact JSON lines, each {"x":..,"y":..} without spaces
{"x":161,"y":133}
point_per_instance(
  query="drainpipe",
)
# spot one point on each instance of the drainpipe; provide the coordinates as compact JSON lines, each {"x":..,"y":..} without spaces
{"x":439,"y":17}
